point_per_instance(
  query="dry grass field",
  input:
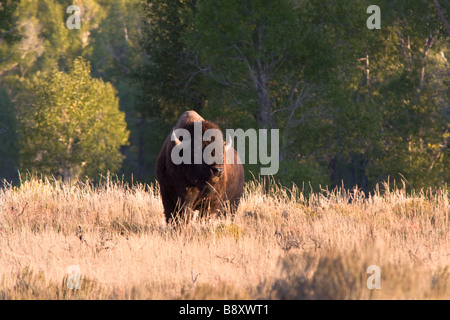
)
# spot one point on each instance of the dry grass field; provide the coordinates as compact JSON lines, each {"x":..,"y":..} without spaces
{"x":281,"y":244}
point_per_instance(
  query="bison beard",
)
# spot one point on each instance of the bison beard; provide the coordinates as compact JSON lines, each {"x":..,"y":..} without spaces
{"x":188,"y":187}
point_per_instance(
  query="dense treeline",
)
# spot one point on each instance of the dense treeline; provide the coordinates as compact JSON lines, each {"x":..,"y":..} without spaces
{"x":354,"y":105}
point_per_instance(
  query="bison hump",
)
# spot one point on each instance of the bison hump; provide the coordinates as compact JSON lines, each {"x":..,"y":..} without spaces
{"x":187,"y":118}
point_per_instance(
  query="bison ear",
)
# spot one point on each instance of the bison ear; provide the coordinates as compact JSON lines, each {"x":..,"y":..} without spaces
{"x":174,"y":138}
{"x":229,"y":143}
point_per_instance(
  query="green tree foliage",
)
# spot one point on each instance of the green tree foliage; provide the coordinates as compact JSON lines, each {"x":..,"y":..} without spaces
{"x":390,"y":98}
{"x":166,"y":79}
{"x":70,"y":124}
{"x":8,"y":29}
{"x":354,"y":106}
{"x":256,"y":60}
{"x":117,"y":57}
{"x":250,"y":46}
{"x":8,"y":141}
{"x":9,"y":35}
{"x":359,"y":104}
{"x":410,"y":83}
{"x":168,"y":82}
{"x":42,"y":41}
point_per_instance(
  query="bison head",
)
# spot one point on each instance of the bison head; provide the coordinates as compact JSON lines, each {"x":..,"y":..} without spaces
{"x":203,"y":165}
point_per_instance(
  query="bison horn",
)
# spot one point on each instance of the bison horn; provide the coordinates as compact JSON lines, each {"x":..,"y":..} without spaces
{"x":174,"y":138}
{"x":229,"y":143}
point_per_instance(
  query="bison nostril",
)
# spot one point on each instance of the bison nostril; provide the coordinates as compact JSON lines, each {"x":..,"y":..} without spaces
{"x":217,"y":171}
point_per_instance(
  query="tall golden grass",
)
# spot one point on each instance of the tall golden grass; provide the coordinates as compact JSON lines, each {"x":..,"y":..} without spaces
{"x":280,"y":245}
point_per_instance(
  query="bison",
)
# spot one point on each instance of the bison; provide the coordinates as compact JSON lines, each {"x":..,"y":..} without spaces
{"x":208,"y":188}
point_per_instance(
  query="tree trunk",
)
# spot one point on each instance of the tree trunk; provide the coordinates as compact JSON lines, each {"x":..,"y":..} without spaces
{"x":140,"y":171}
{"x":267,"y":121}
{"x":367,"y":70}
{"x":422,"y":69}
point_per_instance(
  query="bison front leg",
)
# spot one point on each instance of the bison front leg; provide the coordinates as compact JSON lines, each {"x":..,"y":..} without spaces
{"x":171,"y":203}
{"x":170,"y":211}
{"x":178,"y":208}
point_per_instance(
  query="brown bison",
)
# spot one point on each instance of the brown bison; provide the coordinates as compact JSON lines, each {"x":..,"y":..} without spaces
{"x":203,"y":186}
